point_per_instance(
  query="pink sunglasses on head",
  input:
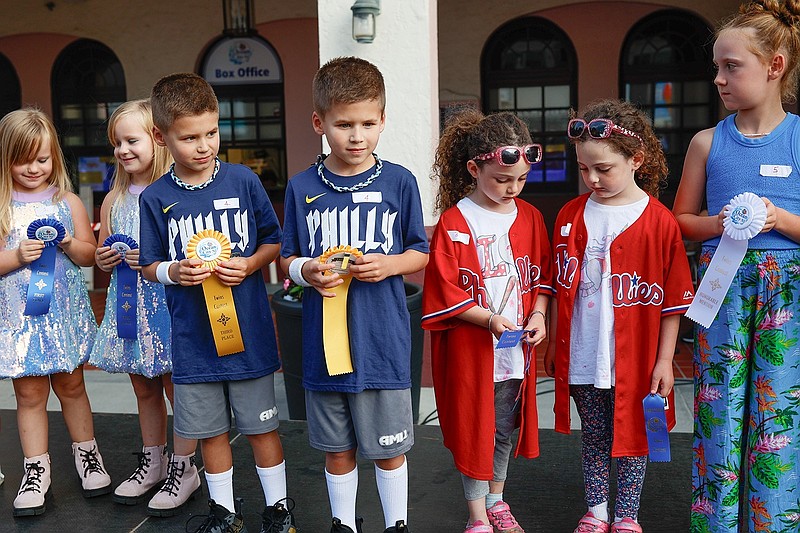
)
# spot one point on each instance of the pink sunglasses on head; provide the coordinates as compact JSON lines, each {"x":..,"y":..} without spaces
{"x":599,"y":128}
{"x":508,"y":156}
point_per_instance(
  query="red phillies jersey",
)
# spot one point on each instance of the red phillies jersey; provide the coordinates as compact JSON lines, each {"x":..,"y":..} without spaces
{"x":463,"y":353}
{"x":650,"y":279}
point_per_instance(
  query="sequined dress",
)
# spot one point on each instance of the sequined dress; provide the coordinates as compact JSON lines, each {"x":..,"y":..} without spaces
{"x":62,"y":338}
{"x":149,"y":354}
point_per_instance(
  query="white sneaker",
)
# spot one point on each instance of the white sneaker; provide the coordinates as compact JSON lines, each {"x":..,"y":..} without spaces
{"x":2,"y":477}
{"x":181,"y":485}
{"x":151,"y":471}
{"x":89,"y":464}
{"x":30,"y":500}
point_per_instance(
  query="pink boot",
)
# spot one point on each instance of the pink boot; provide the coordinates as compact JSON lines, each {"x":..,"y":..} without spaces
{"x":30,"y":500}
{"x":150,"y":472}
{"x":89,"y":464}
{"x":181,"y":485}
{"x":626,"y":525}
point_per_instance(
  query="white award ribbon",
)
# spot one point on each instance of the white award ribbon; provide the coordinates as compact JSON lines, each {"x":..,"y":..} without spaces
{"x":745,"y":216}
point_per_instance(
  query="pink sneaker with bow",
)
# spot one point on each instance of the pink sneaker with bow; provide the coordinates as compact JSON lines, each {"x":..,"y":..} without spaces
{"x":626,"y":525}
{"x":590,"y":524}
{"x":502,"y":520}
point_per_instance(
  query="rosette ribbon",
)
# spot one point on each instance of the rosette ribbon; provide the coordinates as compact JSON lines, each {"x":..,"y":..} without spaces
{"x":126,"y":285}
{"x":335,"y":333}
{"x":745,"y":216}
{"x":40,"y":288}
{"x":655,"y":423}
{"x":213,"y":247}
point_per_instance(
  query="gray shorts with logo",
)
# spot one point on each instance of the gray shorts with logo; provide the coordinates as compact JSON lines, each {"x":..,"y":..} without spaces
{"x":203,"y":410}
{"x":376,"y":422}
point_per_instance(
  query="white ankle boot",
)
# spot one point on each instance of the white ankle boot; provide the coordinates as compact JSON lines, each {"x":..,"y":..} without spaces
{"x":89,"y":464}
{"x":35,"y":484}
{"x":151,"y":471}
{"x":182,"y":484}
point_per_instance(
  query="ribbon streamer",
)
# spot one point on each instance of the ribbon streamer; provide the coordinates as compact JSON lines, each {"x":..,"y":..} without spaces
{"x":213,"y":247}
{"x":335,"y":332}
{"x":40,"y":287}
{"x":655,"y":423}
{"x":745,"y":216}
{"x":127,"y":279}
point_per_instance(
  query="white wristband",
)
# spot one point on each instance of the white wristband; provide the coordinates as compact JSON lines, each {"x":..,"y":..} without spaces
{"x":296,"y":271}
{"x":162,"y":273}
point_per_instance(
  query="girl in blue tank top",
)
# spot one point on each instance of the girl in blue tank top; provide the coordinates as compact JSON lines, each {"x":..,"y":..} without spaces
{"x":746,"y":453}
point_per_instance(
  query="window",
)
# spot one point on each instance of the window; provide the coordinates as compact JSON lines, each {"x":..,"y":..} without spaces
{"x":529,"y":68}
{"x":667,"y":70}
{"x":10,"y":93}
{"x":247,"y":77}
{"x":87,"y":84}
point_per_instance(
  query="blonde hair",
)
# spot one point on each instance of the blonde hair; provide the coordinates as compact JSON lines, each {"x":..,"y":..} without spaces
{"x":22,"y":134}
{"x":776,"y":29}
{"x":141,"y":111}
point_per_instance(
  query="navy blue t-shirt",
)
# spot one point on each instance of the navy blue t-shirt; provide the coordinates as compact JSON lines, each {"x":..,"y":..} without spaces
{"x":236,"y":205}
{"x":384,"y":217}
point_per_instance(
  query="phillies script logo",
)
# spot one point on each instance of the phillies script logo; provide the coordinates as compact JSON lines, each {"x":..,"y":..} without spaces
{"x":529,"y":274}
{"x":566,"y":267}
{"x":630,"y":290}
{"x":470,"y":282}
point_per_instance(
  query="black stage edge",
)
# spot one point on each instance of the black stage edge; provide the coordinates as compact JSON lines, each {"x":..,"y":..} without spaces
{"x":546,"y":494}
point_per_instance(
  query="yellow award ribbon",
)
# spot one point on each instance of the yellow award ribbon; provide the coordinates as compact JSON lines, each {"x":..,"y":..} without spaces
{"x":335,"y":334}
{"x":213,"y":247}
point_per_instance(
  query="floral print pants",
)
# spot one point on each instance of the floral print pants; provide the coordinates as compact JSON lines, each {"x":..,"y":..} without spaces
{"x":746,"y":453}
{"x":596,"y":410}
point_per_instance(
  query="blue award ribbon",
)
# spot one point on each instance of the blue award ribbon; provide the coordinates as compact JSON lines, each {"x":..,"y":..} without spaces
{"x":40,"y":288}
{"x":126,"y":285}
{"x":655,"y":423}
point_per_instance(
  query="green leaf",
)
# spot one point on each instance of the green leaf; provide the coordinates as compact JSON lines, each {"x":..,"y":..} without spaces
{"x":706,"y":418}
{"x":699,"y":523}
{"x":766,"y":468}
{"x":771,"y":345}
{"x":733,"y":496}
{"x":740,"y":376}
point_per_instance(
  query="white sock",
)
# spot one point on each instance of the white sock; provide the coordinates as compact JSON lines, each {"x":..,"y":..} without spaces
{"x":600,"y":511}
{"x":220,"y":489}
{"x":621,"y":518}
{"x":273,"y":482}
{"x":393,"y":490}
{"x":492,"y":499}
{"x":342,"y":491}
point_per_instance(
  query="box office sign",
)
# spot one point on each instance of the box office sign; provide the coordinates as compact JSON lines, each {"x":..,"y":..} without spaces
{"x":241,"y":61}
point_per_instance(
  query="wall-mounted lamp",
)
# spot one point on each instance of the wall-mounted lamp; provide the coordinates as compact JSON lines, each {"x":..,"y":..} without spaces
{"x":238,"y":17}
{"x":364,"y":13}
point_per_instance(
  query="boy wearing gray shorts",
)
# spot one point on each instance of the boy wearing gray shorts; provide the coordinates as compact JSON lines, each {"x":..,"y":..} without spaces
{"x":207,"y":218}
{"x":363,"y":216}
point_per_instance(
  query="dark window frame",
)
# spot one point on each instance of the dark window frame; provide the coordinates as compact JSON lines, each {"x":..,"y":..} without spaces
{"x":557,"y":67}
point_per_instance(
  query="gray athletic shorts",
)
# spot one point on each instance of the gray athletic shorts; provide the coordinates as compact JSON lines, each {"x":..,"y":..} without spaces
{"x":376,"y":422}
{"x":203,"y":410}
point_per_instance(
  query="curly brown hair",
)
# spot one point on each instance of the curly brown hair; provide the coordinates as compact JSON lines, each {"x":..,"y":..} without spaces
{"x":470,"y":133}
{"x":652,"y":175}
{"x":776,"y":29}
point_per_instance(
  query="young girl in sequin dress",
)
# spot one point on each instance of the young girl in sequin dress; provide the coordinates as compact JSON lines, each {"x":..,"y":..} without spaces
{"x":46,"y":350}
{"x":146,"y":359}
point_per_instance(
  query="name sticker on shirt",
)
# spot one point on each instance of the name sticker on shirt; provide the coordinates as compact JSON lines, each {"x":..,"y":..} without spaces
{"x":226,"y":203}
{"x":775,"y":171}
{"x":367,"y":197}
{"x":457,"y":236}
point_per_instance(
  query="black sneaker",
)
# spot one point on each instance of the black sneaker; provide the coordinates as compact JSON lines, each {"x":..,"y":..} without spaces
{"x":338,"y":527}
{"x":220,"y":520}
{"x":278,"y":519}
{"x":398,"y":527}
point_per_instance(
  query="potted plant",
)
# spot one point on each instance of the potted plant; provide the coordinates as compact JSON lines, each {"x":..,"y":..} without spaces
{"x":287,"y":303}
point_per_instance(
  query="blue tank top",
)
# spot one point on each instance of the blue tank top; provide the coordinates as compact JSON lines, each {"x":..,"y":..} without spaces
{"x":737,"y":164}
